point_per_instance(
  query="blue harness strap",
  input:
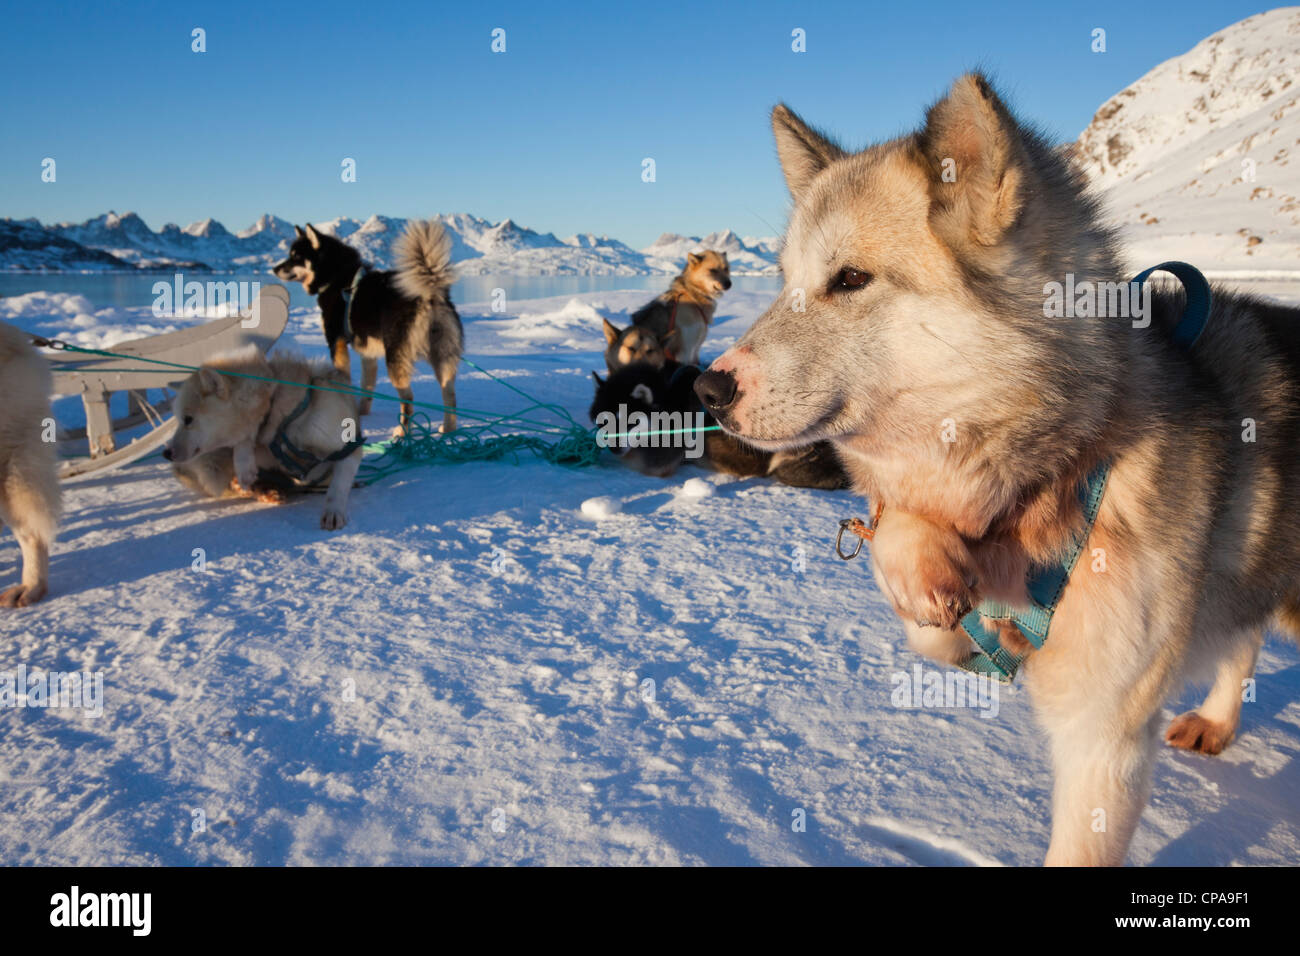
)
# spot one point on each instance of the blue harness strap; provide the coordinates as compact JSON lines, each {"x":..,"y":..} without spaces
{"x":349,"y":294}
{"x":1046,"y":584}
{"x":1199,"y":299}
{"x":299,"y":462}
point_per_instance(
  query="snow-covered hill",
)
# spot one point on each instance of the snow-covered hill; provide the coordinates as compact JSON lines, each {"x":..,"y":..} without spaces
{"x":113,"y":242}
{"x":1200,"y":158}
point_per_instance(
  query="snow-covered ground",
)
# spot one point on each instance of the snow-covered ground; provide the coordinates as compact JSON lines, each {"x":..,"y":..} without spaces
{"x":460,"y":675}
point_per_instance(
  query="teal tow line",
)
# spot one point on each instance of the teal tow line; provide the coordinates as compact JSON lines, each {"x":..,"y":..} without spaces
{"x":499,"y":437}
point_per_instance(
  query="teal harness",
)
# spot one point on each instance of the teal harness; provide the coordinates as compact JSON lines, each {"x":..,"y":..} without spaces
{"x":298,"y":462}
{"x":1045,"y":584}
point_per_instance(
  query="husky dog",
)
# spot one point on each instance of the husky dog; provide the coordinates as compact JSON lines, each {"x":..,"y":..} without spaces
{"x":923,"y":352}
{"x":637,"y":344}
{"x":687,"y":308}
{"x":29,"y":488}
{"x":668,"y":388}
{"x":402,"y":314}
{"x":239,"y":435}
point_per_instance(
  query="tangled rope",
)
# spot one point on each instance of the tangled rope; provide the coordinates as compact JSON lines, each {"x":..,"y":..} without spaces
{"x":569,"y":444}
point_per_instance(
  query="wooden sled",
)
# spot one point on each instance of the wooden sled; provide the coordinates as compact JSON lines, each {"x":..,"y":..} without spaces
{"x":96,"y":379}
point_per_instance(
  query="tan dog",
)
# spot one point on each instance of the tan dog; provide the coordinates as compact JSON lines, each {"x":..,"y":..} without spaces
{"x":29,"y":486}
{"x":679,"y":319}
{"x":913,"y":333}
{"x":635,"y":344}
{"x":229,"y":426}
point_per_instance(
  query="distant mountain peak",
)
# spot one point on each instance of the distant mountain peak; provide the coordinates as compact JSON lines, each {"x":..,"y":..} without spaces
{"x":478,"y":246}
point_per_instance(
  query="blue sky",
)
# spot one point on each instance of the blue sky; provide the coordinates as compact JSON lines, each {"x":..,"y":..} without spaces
{"x":551,"y":133}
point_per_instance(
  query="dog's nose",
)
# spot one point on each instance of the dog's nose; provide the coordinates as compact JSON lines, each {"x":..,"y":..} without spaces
{"x":726,"y":283}
{"x":167,"y":453}
{"x":717,"y":390}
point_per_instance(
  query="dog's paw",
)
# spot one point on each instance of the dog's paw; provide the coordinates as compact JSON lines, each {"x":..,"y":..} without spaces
{"x":268,"y":494}
{"x":397,"y":433}
{"x":925,"y":570}
{"x":332,"y":519}
{"x":237,"y":488}
{"x":1191,"y":731}
{"x":20,"y":596}
{"x":944,"y":604}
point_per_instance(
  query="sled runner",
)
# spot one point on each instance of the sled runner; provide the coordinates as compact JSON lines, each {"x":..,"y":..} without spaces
{"x":96,"y":379}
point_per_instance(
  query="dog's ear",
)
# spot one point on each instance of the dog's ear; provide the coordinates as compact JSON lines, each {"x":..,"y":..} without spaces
{"x":313,"y":237}
{"x":212,"y":382}
{"x":803,"y":151}
{"x":612,"y":331}
{"x":694,"y":258}
{"x":599,"y":381}
{"x":297,"y":231}
{"x":975,"y":157}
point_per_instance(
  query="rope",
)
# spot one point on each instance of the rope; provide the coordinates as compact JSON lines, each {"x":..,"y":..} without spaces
{"x":574,"y":445}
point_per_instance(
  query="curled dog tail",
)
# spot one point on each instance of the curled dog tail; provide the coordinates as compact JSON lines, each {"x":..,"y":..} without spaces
{"x":422,"y":256}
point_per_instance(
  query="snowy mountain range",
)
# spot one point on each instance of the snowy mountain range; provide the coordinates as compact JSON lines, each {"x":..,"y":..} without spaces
{"x":1194,"y":160}
{"x":1200,"y":158}
{"x":119,"y":243}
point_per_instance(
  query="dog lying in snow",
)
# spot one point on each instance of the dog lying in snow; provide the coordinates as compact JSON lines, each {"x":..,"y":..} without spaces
{"x":240,"y":436}
{"x":29,"y":487}
{"x":652,"y":398}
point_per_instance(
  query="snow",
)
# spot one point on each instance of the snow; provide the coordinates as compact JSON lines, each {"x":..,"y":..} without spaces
{"x":1198,"y":158}
{"x":497,"y":663}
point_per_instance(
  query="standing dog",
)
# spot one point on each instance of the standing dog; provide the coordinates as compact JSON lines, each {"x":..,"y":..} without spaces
{"x":29,"y":487}
{"x":923,"y":352}
{"x":679,"y":319}
{"x":403,"y":314}
{"x":238,"y":434}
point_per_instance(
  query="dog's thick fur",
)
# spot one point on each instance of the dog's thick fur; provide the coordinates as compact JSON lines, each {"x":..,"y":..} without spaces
{"x":636,"y":344}
{"x":30,"y":503}
{"x":680,"y":317}
{"x":668,"y":387}
{"x":924,"y":321}
{"x":403,"y":314}
{"x":226,"y":424}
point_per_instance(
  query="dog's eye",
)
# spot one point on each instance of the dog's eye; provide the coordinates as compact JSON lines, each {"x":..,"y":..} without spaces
{"x":189,"y":420}
{"x":849,"y":279}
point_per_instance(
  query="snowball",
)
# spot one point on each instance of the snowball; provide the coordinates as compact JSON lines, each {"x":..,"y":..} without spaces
{"x":601,"y":507}
{"x":696,"y":488}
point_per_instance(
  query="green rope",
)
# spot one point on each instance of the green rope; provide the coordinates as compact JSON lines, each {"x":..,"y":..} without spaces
{"x":575,"y":445}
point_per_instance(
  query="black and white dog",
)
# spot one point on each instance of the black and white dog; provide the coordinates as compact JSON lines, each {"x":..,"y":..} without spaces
{"x":402,"y":314}
{"x":665,"y":394}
